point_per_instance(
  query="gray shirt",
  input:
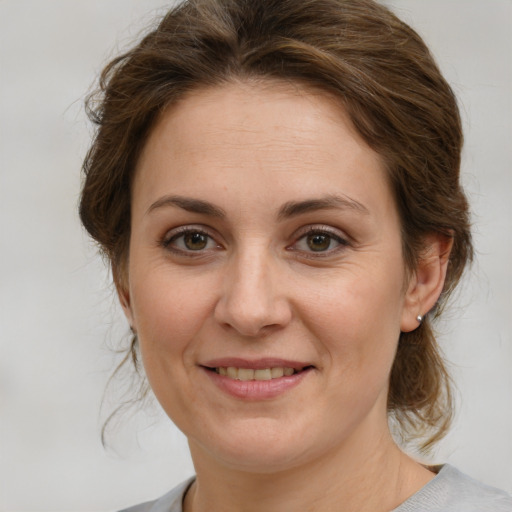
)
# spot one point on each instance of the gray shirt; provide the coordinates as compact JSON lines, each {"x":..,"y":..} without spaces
{"x":449,"y":491}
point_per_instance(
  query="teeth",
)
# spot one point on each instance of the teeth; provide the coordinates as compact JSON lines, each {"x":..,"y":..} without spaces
{"x":245,"y":374}
{"x":276,"y":372}
{"x":250,"y":374}
{"x":265,"y":374}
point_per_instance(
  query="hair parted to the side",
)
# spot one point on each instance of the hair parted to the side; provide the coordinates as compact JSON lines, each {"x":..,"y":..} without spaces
{"x":356,"y":50}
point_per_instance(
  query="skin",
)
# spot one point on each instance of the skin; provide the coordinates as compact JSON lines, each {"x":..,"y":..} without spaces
{"x":258,"y":284}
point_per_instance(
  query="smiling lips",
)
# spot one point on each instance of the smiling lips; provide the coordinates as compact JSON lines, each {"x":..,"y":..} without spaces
{"x":246,"y":374}
{"x":256,"y":380}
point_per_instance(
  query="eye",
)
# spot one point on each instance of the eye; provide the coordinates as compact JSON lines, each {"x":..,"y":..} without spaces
{"x":319,"y":240}
{"x":189,"y":240}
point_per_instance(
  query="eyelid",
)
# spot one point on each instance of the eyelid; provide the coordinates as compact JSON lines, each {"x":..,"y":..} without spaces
{"x":319,"y":228}
{"x":335,"y":233}
{"x":175,"y":233}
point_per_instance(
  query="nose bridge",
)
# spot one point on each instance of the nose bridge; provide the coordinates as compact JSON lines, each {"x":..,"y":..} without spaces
{"x":252,"y":300}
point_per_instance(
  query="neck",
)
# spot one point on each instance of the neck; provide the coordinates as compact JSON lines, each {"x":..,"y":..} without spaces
{"x":377,"y":478}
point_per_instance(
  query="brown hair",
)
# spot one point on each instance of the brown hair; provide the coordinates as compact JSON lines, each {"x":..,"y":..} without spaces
{"x":382,"y":73}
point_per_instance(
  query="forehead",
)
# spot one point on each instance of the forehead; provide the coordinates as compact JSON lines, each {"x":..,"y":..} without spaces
{"x":265,"y":107}
{"x":270,"y":134}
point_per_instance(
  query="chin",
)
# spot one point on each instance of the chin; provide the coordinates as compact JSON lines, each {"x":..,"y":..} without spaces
{"x":261,"y":446}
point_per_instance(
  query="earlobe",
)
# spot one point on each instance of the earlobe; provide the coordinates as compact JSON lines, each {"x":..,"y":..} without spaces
{"x":427,"y":281}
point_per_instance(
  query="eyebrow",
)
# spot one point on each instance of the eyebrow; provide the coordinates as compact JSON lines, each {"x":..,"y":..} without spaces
{"x":294,"y":208}
{"x":189,"y":204}
{"x":289,"y":209}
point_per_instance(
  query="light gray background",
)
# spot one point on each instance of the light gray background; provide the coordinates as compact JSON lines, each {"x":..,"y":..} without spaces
{"x":57,"y":311}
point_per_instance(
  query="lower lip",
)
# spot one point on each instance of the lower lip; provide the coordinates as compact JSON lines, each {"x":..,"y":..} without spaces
{"x":254,"y":390}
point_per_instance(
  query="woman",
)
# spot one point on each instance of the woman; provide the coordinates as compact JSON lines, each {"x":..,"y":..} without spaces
{"x":276,"y":186}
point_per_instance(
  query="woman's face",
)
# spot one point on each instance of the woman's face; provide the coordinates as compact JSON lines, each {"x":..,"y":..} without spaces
{"x":265,"y":278}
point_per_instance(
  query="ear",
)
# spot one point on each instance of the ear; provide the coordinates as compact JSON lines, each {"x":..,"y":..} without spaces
{"x":123,"y":292}
{"x":427,"y":281}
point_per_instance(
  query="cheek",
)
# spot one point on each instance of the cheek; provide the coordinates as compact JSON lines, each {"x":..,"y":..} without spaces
{"x":356,"y":318}
{"x":169,"y":307}
{"x":359,"y":299}
{"x":169,"y":312}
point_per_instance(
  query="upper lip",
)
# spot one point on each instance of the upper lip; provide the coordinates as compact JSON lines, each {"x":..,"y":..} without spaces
{"x":255,"y":364}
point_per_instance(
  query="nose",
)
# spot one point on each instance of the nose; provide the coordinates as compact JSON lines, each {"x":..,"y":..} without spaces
{"x":253,"y":301}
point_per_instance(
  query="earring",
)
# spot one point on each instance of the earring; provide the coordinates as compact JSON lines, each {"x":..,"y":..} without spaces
{"x":419,"y":318}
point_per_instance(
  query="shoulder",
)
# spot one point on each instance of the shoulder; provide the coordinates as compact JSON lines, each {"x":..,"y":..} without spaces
{"x":449,"y":491}
{"x":170,"y":502}
{"x":453,"y":491}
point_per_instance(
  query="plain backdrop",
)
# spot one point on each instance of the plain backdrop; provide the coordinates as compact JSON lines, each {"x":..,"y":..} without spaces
{"x":58,"y":315}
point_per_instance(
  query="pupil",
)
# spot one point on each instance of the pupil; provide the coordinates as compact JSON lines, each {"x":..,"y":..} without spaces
{"x":319,"y":242}
{"x":195,"y":241}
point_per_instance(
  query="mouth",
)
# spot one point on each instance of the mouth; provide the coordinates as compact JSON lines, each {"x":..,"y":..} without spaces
{"x":245,"y":374}
{"x":256,"y":380}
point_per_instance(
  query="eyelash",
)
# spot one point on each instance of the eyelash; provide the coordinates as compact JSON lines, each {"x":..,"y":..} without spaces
{"x":181,"y":232}
{"x":332,"y":234}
